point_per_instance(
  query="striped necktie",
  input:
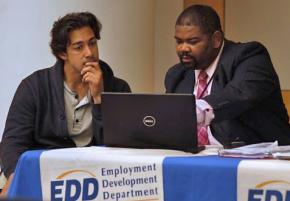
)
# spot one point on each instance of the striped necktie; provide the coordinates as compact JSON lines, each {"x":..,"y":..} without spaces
{"x":201,"y":92}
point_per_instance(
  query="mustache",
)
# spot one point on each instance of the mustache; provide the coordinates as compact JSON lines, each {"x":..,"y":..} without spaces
{"x":90,"y":59}
{"x":187,"y":54}
{"x":193,"y":62}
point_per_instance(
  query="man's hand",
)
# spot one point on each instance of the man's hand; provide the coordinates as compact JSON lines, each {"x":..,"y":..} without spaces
{"x":204,"y":112}
{"x":93,"y":76}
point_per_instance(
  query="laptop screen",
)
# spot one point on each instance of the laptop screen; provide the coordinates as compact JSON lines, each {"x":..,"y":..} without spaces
{"x":159,"y":121}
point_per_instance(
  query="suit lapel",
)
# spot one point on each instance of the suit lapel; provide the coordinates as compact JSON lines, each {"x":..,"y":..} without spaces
{"x":220,"y":75}
{"x":217,"y":82}
{"x":180,"y":79}
{"x":188,"y":82}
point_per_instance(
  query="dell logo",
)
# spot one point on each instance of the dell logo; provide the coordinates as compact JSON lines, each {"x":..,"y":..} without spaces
{"x":149,"y":121}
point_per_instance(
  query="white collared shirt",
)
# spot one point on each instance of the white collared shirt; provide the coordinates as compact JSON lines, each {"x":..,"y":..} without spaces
{"x":204,"y":111}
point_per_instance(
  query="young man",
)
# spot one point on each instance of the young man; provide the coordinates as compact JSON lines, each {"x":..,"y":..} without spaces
{"x":238,"y":91}
{"x":59,"y":106}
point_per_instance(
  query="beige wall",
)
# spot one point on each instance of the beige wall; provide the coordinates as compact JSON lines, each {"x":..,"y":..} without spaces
{"x":166,"y":12}
{"x":266,"y":21}
{"x":128,"y":40}
{"x":136,"y":40}
{"x":140,"y":43}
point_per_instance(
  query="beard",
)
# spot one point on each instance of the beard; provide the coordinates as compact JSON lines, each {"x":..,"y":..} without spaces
{"x":191,"y":63}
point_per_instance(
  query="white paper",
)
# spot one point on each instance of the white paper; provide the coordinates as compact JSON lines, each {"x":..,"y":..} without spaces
{"x":260,"y":150}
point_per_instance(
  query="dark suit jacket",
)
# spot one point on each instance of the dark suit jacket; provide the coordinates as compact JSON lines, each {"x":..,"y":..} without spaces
{"x":36,"y":118}
{"x":245,"y":95}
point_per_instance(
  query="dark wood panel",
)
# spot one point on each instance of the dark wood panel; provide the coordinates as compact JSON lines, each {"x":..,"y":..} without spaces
{"x":286,"y":99}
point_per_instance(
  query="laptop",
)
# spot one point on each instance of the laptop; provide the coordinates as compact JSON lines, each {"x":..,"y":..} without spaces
{"x":157,"y":121}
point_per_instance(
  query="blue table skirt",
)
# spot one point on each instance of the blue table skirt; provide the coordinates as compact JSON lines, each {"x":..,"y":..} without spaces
{"x":198,"y":178}
{"x":206,"y":178}
{"x":26,"y":182}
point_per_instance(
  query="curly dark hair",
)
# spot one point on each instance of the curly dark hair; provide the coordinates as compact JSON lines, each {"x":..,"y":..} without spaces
{"x":68,"y":23}
{"x":202,"y":16}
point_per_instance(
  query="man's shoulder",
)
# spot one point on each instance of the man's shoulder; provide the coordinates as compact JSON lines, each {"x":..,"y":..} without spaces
{"x":106,"y":69}
{"x":111,"y":82}
{"x":173,"y":76}
{"x":175,"y":69}
{"x":234,"y":52}
{"x":230,"y":43}
{"x":43,"y":74}
{"x":120,"y":85}
{"x":41,"y":71}
{"x":243,"y":47}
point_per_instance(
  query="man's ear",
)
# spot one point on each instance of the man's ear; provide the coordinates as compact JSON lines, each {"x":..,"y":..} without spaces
{"x":217,"y":39}
{"x":63,"y":56}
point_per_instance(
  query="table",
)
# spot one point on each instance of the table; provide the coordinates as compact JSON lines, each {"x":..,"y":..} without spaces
{"x":184,"y":177}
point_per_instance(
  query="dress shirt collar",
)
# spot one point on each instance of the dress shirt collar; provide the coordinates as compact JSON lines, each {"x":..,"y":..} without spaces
{"x":212,"y":67}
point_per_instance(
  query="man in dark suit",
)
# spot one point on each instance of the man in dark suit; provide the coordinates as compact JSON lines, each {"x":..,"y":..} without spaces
{"x":240,"y":101}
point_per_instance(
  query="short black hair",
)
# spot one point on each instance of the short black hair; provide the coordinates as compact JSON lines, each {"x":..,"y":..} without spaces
{"x":202,"y":16}
{"x":68,"y":23}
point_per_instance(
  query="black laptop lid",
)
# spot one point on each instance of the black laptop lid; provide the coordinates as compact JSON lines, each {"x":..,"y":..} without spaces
{"x":161,"y":121}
